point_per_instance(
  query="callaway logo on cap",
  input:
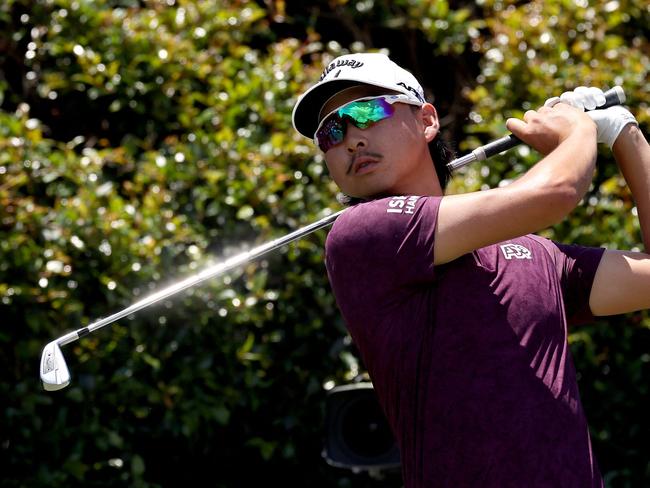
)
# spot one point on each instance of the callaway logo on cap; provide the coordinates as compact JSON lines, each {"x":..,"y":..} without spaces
{"x":350,"y":70}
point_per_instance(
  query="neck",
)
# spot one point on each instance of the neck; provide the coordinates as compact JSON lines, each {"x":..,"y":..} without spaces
{"x":422,"y":181}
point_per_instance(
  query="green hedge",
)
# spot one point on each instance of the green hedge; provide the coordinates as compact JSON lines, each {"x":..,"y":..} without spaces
{"x":142,"y":140}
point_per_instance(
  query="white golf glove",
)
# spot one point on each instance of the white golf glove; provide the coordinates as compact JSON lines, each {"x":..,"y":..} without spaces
{"x":610,"y":121}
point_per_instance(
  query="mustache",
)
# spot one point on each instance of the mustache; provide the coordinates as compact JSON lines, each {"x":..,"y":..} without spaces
{"x":357,"y":155}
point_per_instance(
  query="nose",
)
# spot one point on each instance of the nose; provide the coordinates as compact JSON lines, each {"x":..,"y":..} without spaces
{"x":355,"y":139}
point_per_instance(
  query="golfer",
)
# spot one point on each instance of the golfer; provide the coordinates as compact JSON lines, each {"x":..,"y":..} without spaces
{"x":459,"y":312}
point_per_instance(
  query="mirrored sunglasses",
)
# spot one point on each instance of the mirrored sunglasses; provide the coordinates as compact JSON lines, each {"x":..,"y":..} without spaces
{"x":361,"y":113}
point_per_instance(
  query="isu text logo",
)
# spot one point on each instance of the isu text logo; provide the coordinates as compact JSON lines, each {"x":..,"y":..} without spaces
{"x":402,"y":205}
{"x":515,"y":251}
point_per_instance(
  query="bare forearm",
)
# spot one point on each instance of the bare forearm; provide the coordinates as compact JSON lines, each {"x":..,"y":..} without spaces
{"x":569,"y":167}
{"x":632,"y":154}
{"x":539,"y":199}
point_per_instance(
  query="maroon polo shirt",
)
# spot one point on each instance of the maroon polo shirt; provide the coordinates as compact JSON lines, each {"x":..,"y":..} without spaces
{"x":469,"y":360}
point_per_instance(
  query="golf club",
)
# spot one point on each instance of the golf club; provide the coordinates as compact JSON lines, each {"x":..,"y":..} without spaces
{"x":53,"y":369}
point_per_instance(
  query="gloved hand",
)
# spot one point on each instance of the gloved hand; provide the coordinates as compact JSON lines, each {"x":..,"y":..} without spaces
{"x":610,"y":121}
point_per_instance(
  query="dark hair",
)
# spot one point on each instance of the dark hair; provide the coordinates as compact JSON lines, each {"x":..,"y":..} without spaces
{"x":441,"y":154}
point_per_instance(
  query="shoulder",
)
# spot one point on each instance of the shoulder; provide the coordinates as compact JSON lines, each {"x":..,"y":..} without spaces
{"x":383,"y":217}
{"x":572,"y":262}
{"x":556,"y":251}
{"x":378,"y":246}
{"x":574,"y":252}
{"x":387,"y":233}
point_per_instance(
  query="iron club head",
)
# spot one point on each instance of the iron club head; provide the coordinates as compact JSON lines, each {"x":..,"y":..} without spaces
{"x":54,"y":371}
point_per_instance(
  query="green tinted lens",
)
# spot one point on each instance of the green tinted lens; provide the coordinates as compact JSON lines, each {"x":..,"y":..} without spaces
{"x":361,"y":114}
{"x":366,"y":112}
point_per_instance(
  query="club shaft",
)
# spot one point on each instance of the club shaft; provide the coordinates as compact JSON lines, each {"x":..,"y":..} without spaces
{"x":208,"y":273}
{"x":615,"y":96}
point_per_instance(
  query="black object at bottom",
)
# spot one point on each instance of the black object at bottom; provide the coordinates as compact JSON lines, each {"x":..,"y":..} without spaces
{"x":358,"y":435}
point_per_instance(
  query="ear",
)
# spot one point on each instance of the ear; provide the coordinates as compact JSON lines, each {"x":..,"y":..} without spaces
{"x":430,"y":121}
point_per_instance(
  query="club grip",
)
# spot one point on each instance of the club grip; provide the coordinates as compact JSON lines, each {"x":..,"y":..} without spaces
{"x":613,"y":96}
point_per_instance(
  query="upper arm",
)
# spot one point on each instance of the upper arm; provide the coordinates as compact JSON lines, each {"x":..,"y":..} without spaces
{"x":470,"y":221}
{"x":621,"y":284}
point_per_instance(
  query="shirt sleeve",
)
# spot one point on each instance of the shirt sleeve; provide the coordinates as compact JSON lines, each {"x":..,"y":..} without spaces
{"x":381,"y":246}
{"x":577,"y":266}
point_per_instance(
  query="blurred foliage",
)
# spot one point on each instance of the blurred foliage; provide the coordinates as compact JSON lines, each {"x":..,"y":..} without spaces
{"x":142,"y":140}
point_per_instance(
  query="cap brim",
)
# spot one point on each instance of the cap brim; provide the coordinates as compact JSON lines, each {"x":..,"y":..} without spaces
{"x":305,"y":113}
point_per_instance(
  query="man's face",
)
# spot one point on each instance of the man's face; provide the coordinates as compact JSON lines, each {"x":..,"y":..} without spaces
{"x":390,"y":157}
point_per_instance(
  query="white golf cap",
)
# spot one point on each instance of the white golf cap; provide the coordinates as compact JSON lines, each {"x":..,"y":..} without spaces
{"x":350,"y":70}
